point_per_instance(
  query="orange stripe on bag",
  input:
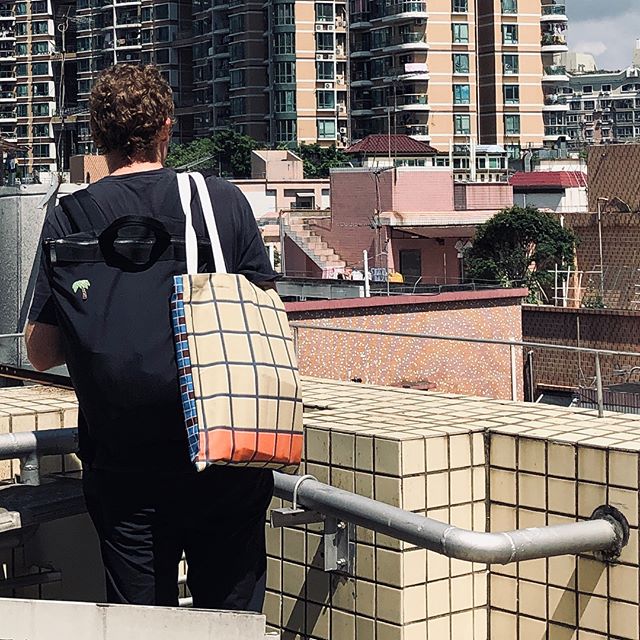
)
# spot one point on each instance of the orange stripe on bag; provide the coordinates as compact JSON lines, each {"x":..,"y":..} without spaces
{"x":224,"y":445}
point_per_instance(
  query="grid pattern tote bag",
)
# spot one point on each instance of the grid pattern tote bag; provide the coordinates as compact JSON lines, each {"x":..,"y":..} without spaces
{"x":237,"y":367}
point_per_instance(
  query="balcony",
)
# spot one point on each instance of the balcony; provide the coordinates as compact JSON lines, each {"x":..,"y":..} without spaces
{"x":406,"y":10}
{"x":408,"y":72}
{"x":555,"y":102}
{"x":8,"y":115}
{"x":7,"y":34}
{"x":554,"y":13}
{"x":360,"y":20}
{"x":555,"y":73}
{"x":553,"y":43}
{"x":413,"y":102}
{"x":552,"y":133}
{"x":6,"y":14}
{"x":416,"y":131}
{"x":361,"y":108}
{"x":7,"y":96}
{"x":415,"y":40}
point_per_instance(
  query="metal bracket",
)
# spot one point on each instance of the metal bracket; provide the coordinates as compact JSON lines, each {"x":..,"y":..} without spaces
{"x":288,"y":517}
{"x":339,"y":546}
{"x":9,"y":520}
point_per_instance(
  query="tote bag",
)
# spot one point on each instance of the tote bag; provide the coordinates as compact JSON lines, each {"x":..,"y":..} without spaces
{"x":237,"y":368}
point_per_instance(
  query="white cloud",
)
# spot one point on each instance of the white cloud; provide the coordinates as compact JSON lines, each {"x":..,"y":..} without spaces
{"x":595,"y":48}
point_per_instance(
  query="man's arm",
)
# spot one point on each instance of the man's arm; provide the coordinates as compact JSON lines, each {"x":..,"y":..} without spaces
{"x":44,"y":345}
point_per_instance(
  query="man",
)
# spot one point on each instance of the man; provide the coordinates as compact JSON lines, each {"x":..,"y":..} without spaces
{"x":148,"y":504}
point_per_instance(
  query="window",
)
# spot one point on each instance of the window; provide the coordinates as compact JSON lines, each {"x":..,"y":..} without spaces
{"x":41,"y":130}
{"x":236,"y":23}
{"x":163,"y":56}
{"x":511,"y":94}
{"x":21,"y":49}
{"x":460,"y":33}
{"x":283,"y":43}
{"x":606,"y":87}
{"x":461,"y":63}
{"x":325,"y":70}
{"x":236,"y":51}
{"x":510,"y":64}
{"x":165,"y":34}
{"x":162,"y":12}
{"x":21,"y":69}
{"x":22,"y":90}
{"x":40,"y":27}
{"x":587,"y":88}
{"x":510,"y":34}
{"x":40,"y":89}
{"x":285,"y":131}
{"x":462,"y":125}
{"x":236,"y":78}
{"x":21,"y":110}
{"x":284,"y":72}
{"x":509,"y":6}
{"x":460,"y":6}
{"x":589,"y":104}
{"x":41,"y":150}
{"x":84,"y":86}
{"x":40,"y":109}
{"x":237,"y":106}
{"x":22,"y":131}
{"x":326,"y":100}
{"x":283,"y":14}
{"x":21,"y":8}
{"x":324,"y":41}
{"x":39,"y":48}
{"x":461,"y":94}
{"x":511,"y":124}
{"x":84,"y":64}
{"x":146,"y":14}
{"x":513,"y":151}
{"x":380,"y":38}
{"x":146,"y":36}
{"x":21,"y":28}
{"x":284,"y":101}
{"x":326,"y":129}
{"x":40,"y":68}
{"x":324,"y":12}
{"x":84,"y":43}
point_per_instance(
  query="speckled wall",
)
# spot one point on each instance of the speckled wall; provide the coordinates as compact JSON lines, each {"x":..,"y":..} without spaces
{"x":445,"y":366}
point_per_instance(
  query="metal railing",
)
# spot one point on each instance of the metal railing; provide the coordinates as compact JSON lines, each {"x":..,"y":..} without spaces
{"x":607,"y":532}
{"x":512,"y":344}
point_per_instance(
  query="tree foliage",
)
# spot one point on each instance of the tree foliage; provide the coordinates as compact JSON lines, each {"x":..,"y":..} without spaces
{"x":520,"y":246}
{"x":227,"y":152}
{"x":319,"y":160}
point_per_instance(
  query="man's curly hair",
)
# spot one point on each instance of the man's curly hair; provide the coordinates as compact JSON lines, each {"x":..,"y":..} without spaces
{"x":129,"y":104}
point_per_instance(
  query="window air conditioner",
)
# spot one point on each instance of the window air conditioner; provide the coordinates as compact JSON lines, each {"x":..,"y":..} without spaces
{"x":342,"y":129}
{"x":328,"y":85}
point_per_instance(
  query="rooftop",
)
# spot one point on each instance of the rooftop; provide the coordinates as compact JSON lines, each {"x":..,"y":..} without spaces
{"x":548,"y":179}
{"x":378,"y":144}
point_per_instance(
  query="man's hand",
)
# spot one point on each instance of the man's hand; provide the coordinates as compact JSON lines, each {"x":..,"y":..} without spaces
{"x":44,"y":345}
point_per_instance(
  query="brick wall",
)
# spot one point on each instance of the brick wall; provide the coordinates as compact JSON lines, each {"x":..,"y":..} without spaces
{"x":457,"y":367}
{"x":611,"y":329}
{"x":614,"y":172}
{"x":87,"y":169}
{"x":621,"y":256}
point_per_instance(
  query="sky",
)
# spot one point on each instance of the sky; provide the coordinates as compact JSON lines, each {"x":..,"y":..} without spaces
{"x":606,"y":28}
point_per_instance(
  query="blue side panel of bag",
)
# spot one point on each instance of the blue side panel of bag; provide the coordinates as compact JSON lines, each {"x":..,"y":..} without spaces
{"x":185,"y":376}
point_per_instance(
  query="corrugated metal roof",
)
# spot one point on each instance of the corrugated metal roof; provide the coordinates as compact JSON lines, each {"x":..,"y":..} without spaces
{"x":548,"y":179}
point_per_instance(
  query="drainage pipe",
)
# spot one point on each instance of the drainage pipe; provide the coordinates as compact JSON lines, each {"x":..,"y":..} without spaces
{"x":607,"y":532}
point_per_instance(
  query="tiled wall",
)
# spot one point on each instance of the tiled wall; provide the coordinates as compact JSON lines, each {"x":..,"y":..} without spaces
{"x":552,"y":472}
{"x":400,"y":457}
{"x":613,"y":172}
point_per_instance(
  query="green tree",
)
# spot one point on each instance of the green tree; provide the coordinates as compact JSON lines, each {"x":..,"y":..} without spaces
{"x":319,"y":160}
{"x":227,"y":152}
{"x":520,"y":246}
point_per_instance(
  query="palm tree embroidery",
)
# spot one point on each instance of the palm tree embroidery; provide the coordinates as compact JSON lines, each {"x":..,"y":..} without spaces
{"x":83,"y":286}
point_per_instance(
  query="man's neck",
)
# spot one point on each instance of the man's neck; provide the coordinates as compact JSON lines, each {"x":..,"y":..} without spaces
{"x":119,"y":166}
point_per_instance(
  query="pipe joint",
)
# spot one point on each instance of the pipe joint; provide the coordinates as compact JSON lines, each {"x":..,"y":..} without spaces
{"x":620,"y":526}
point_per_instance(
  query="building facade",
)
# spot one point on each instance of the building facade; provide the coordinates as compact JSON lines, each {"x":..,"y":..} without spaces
{"x":602,"y":107}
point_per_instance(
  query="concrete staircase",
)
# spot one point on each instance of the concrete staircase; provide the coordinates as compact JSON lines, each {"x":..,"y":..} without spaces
{"x":315,"y":248}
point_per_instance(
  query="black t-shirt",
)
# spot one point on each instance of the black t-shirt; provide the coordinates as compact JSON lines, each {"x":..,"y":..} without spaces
{"x":155,"y":194}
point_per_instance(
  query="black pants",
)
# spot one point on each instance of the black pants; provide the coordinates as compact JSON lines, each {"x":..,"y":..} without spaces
{"x":145,"y":521}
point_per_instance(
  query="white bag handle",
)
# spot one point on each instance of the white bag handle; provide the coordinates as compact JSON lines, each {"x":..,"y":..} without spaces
{"x":191,"y":241}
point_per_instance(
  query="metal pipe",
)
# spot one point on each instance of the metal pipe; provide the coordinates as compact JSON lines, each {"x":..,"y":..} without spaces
{"x":430,"y":336}
{"x":599,"y":390}
{"x":603,"y":534}
{"x":42,"y":443}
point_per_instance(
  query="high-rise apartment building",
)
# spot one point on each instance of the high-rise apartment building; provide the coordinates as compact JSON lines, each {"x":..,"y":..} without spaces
{"x":34,"y":78}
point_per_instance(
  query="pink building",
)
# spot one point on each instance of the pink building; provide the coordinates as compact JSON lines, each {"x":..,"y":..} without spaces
{"x":411,"y":220}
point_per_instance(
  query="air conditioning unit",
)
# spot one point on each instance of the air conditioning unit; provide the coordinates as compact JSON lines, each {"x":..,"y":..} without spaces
{"x":210,"y":52}
{"x":328,"y":85}
{"x":342,"y":129}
